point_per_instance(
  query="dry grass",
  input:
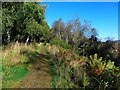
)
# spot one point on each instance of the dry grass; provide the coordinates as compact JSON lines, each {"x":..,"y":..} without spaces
{"x":53,"y":49}
{"x":11,"y":54}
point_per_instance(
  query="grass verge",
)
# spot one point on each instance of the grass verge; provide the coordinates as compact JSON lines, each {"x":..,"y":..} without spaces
{"x":13,"y":75}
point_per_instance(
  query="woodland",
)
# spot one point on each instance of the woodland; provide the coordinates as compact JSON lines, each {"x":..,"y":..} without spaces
{"x":67,"y":55}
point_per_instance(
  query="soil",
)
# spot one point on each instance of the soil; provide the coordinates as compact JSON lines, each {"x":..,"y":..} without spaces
{"x":39,"y":76}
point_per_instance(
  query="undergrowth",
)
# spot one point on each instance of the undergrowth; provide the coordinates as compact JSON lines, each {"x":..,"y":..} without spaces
{"x":68,"y":70}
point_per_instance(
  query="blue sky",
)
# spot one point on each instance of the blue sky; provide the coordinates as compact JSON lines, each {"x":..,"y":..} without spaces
{"x":80,"y":0}
{"x":102,"y":15}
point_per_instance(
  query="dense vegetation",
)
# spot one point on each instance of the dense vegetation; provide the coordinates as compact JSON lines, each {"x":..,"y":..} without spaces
{"x":77,"y":57}
{"x":23,"y":22}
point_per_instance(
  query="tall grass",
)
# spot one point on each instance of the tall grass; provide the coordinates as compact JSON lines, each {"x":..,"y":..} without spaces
{"x":13,"y":69}
{"x":11,"y":53}
{"x":17,"y":59}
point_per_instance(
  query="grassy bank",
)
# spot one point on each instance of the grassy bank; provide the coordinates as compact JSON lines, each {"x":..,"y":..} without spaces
{"x":14,"y":67}
{"x":18,"y":60}
{"x":67,"y":69}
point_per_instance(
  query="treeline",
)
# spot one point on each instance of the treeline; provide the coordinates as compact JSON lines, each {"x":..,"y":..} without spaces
{"x":25,"y":22}
{"x":84,"y":39}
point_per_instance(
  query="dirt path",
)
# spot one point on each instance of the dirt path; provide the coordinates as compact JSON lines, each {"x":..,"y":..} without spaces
{"x":39,"y":75}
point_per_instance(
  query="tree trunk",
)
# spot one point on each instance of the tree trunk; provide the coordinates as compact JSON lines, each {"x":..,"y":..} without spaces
{"x":8,"y":34}
{"x":27,"y":40}
{"x":66,"y":39}
{"x":59,"y":33}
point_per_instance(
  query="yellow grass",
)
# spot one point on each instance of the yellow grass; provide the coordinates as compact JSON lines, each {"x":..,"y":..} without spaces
{"x":11,"y":54}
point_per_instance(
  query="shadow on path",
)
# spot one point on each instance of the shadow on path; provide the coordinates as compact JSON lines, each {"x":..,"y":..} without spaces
{"x":39,"y":76}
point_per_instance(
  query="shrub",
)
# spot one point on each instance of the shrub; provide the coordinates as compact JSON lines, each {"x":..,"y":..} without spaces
{"x":56,"y":41}
{"x":69,"y":71}
{"x":102,"y":73}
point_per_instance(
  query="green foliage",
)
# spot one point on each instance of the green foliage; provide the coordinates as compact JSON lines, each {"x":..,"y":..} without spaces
{"x":13,"y":73}
{"x":23,"y":20}
{"x":69,"y":32}
{"x":110,"y":65}
{"x":103,"y":73}
{"x":69,"y":70}
{"x":60,"y":76}
{"x":14,"y":68}
{"x":96,"y":62}
{"x":56,"y":41}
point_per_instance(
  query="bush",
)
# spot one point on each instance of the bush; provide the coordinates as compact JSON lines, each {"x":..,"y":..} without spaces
{"x":103,"y":73}
{"x":69,"y":70}
{"x":56,"y":41}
